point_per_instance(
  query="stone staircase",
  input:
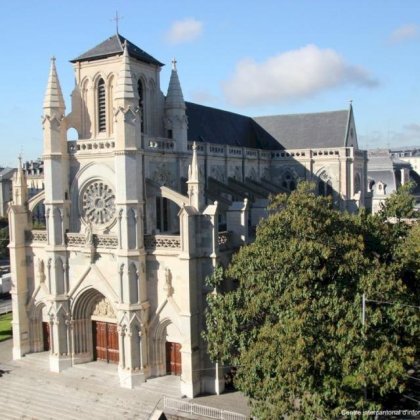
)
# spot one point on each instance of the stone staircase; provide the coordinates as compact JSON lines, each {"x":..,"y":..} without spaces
{"x":89,"y":391}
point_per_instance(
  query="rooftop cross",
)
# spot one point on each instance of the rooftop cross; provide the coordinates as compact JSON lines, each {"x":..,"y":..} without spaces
{"x":174,"y":64}
{"x":116,"y":19}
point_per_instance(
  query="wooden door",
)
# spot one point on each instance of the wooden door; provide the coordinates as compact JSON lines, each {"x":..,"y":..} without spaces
{"x":112,"y":343}
{"x":173,"y":358}
{"x":46,"y":336}
{"x":105,"y":342}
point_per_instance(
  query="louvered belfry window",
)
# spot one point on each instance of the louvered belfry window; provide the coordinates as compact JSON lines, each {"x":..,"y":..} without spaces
{"x":101,"y":106}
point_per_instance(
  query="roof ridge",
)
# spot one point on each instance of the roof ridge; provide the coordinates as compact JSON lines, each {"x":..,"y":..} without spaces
{"x":114,"y":46}
{"x":302,"y":113}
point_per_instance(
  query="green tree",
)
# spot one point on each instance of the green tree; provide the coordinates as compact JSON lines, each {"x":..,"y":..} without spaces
{"x":400,"y":203}
{"x":4,"y":238}
{"x":292,"y":325}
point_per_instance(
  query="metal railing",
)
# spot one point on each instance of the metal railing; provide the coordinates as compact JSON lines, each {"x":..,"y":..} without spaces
{"x":6,"y":309}
{"x":200,"y":410}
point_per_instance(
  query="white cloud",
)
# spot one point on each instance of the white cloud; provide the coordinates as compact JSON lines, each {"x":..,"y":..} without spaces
{"x":184,"y":31}
{"x":291,"y":75}
{"x":404,"y":33}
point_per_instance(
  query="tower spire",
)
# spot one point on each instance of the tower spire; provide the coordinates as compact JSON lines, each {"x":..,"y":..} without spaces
{"x":125,"y":82}
{"x":195,"y":186}
{"x":174,"y":97}
{"x":19,"y":185}
{"x":176,"y":122}
{"x":53,"y":98}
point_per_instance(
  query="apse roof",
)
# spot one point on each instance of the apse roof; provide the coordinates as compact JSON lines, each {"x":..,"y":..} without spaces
{"x":114,"y":46}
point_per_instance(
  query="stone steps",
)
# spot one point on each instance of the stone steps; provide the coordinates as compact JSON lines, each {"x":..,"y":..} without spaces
{"x":60,"y":400}
{"x":167,"y":385}
{"x":83,"y":392}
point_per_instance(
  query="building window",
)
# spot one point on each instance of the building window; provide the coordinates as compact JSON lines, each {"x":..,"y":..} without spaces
{"x":101,"y":106}
{"x":162,"y":214}
{"x":325,"y":188}
{"x":140,"y":92}
{"x":288,"y":182}
{"x":357,"y":184}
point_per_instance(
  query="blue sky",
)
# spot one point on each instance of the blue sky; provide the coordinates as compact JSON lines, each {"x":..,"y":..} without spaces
{"x":251,"y":57}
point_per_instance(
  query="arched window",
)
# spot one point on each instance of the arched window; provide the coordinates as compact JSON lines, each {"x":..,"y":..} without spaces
{"x":288,"y":181}
{"x":101,"y":106}
{"x":162,"y":214}
{"x":140,"y":92}
{"x":325,"y":187}
{"x":357,"y":184}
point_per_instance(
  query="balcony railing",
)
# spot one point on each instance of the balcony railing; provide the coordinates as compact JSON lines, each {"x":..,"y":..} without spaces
{"x":162,"y":242}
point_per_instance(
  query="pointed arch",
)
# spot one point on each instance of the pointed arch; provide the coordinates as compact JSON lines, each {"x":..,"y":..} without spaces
{"x":39,"y":328}
{"x":110,"y":102}
{"x":158,"y":343}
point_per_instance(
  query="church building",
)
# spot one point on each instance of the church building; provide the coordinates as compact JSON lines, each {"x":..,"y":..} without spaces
{"x":140,"y":208}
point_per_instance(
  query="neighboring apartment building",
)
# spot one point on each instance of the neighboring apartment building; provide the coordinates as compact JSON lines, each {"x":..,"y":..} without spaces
{"x":410,"y":155}
{"x":154,"y":193}
{"x":386,"y":173}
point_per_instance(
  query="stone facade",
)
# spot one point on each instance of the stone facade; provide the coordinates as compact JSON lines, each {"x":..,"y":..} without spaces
{"x":139,"y":210}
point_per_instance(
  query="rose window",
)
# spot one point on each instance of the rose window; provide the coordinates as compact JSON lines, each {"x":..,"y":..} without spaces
{"x":98,"y":203}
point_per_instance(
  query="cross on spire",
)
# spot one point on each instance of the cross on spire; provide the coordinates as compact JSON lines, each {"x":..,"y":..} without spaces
{"x":116,"y":19}
{"x":174,"y":64}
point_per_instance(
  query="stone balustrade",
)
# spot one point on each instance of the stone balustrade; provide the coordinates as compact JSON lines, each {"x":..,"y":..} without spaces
{"x":78,"y":240}
{"x":88,"y":146}
{"x":159,"y":144}
{"x":36,"y":236}
{"x":162,"y":242}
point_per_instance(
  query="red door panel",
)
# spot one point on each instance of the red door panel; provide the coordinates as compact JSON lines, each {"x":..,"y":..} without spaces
{"x":105,"y":342}
{"x":173,"y":358}
{"x":112,"y":342}
{"x":46,"y":335}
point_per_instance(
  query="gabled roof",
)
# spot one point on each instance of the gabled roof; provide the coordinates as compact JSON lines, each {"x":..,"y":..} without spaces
{"x":6,"y":173}
{"x":217,"y":126}
{"x":299,"y":131}
{"x":114,"y":46}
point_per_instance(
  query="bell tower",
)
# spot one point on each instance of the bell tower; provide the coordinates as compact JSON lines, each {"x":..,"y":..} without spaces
{"x":56,"y":172}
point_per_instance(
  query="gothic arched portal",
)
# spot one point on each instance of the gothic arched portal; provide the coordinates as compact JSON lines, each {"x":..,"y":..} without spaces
{"x":95,"y":335}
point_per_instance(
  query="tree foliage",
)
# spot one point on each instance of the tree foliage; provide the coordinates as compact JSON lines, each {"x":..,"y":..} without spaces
{"x":400,"y":203}
{"x":4,"y":238}
{"x":292,"y":325}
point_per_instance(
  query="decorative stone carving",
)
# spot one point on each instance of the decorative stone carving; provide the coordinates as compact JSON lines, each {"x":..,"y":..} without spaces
{"x":168,"y":283}
{"x":324,"y":176}
{"x":41,"y":271}
{"x":98,"y":205}
{"x":162,"y":175}
{"x":104,"y":309}
{"x":218,"y":172}
{"x":252,"y":174}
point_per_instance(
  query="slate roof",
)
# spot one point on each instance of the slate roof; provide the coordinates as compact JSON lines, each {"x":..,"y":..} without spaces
{"x":387,"y":177}
{"x":217,"y":126}
{"x":6,"y":173}
{"x":114,"y":46}
{"x":299,"y":131}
